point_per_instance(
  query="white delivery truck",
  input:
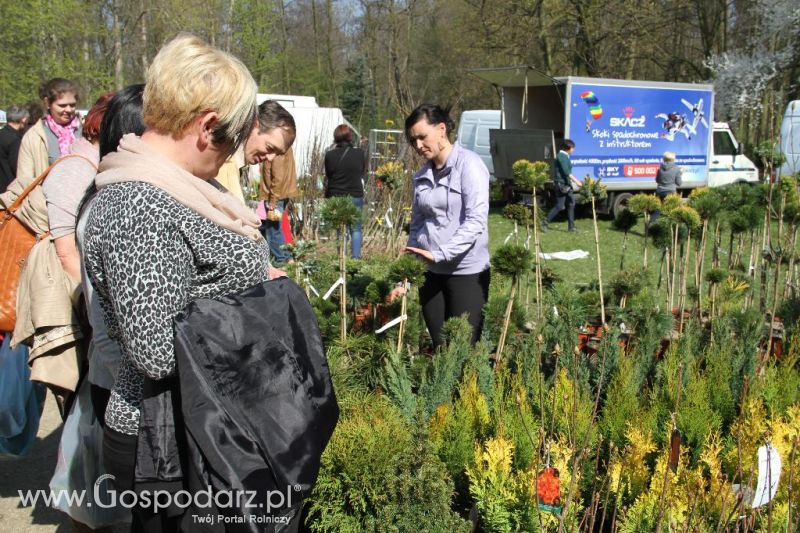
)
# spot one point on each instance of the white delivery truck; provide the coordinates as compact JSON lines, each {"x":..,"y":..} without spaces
{"x":621,"y":128}
{"x":473,"y":132}
{"x":790,"y":139}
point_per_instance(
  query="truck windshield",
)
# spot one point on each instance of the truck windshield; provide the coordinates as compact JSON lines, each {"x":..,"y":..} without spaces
{"x":723,"y":145}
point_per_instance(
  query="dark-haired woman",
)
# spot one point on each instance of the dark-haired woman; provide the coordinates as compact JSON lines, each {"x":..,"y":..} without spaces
{"x":53,"y":135}
{"x":449,"y":222}
{"x":345,"y":167}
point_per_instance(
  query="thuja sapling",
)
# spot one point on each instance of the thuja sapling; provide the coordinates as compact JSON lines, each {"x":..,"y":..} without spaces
{"x":592,"y":190}
{"x":339,"y":213}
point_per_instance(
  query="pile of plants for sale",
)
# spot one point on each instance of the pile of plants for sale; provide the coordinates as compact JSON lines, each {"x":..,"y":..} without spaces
{"x":666,"y":398}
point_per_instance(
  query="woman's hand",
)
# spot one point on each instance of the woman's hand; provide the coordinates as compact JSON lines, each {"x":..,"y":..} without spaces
{"x":396,"y":293}
{"x":275,"y":273}
{"x":425,"y":254}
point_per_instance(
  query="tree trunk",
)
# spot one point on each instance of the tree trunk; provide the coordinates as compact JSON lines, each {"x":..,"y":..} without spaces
{"x":285,"y":81}
{"x":117,"y":51}
{"x":329,"y":44}
{"x":143,"y":39}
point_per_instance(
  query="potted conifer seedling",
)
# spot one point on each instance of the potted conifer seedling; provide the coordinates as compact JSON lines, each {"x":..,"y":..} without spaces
{"x":534,"y":176}
{"x":408,"y":270}
{"x":592,"y":190}
{"x":339,"y":213}
{"x":645,"y":205}
{"x":510,"y":260}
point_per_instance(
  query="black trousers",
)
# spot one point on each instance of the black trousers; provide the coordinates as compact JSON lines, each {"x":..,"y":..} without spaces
{"x":119,"y":458}
{"x":446,"y":296}
{"x":564,"y":201}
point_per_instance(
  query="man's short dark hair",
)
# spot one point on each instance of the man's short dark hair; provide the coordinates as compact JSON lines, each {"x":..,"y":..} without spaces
{"x":566,"y":144}
{"x":17,"y":113}
{"x":273,"y":115}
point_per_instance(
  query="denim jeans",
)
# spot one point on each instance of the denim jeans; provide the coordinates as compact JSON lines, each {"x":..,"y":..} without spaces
{"x":355,"y":230}
{"x":271,"y":230}
{"x":563,"y":201}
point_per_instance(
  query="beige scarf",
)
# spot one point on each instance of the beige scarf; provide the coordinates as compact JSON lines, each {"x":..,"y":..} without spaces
{"x":135,"y":160}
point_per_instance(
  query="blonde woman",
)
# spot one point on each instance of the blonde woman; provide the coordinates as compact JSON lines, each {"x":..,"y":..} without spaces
{"x":160,"y":235}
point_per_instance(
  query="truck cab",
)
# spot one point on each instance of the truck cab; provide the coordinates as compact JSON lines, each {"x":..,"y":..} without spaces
{"x":728,"y":164}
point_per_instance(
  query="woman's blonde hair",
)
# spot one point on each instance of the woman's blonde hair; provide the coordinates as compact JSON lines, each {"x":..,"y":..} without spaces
{"x":188,"y":77}
{"x":669,"y":157}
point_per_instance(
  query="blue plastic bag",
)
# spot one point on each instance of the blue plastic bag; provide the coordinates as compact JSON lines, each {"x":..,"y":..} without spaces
{"x":20,"y":401}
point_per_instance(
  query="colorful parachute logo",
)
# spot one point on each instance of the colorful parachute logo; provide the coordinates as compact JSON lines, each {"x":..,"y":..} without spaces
{"x":595,"y":109}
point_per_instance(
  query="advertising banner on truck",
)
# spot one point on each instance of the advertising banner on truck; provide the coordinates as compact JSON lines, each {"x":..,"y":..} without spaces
{"x":622,"y":131}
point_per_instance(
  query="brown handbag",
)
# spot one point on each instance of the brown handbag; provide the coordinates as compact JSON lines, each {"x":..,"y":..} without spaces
{"x":16,"y":242}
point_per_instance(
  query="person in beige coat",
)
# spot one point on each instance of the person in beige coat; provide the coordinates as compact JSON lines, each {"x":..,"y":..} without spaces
{"x":46,"y":296}
{"x":53,"y":135}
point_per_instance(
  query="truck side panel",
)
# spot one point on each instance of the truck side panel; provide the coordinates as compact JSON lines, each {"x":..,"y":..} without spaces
{"x":622,"y":131}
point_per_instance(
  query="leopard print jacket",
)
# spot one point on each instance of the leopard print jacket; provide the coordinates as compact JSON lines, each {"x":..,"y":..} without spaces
{"x":148,"y":256}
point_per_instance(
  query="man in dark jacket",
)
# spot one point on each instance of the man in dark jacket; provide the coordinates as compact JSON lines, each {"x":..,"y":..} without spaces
{"x":563,"y":179}
{"x":668,"y":179}
{"x":10,"y":139}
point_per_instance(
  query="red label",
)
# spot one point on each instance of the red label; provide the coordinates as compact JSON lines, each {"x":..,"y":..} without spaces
{"x":640,"y":171}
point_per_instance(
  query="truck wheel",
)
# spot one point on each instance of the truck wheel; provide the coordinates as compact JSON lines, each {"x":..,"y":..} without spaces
{"x":620,"y":202}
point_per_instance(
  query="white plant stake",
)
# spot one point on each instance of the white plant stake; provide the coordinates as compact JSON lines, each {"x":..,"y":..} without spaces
{"x":333,"y":288}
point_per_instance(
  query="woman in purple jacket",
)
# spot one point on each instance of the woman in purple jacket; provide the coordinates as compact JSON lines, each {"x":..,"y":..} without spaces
{"x":449,"y":222}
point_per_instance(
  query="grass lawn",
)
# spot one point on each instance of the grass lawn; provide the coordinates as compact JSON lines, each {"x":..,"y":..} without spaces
{"x":558,"y":239}
{"x":582,"y":272}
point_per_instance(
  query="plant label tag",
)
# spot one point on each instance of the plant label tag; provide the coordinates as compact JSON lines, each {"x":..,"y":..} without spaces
{"x":391,"y":324}
{"x":769,"y":474}
{"x":311,"y":287}
{"x":333,"y":288}
{"x":548,"y":490}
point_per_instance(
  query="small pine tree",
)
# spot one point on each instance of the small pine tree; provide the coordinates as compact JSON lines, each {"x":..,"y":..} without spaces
{"x":339,"y":212}
{"x":510,"y":260}
{"x":591,"y":191}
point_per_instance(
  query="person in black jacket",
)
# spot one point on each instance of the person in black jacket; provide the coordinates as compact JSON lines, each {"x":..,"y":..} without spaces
{"x":345,"y":167}
{"x":10,"y":139}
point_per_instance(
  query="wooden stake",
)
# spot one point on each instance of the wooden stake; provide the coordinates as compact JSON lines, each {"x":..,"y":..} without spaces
{"x":599,"y":264}
{"x":506,"y":320}
{"x":343,"y":286}
{"x":402,"y":328}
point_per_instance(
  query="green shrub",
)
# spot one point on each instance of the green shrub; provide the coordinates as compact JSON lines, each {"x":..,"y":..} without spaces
{"x":622,"y":402}
{"x":445,"y":369}
{"x":378,"y":474}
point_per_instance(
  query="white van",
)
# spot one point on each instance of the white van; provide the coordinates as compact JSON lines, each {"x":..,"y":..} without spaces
{"x":473,"y":133}
{"x":790,"y":139}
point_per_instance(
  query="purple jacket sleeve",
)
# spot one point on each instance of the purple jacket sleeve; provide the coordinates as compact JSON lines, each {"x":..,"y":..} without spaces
{"x":475,"y":198}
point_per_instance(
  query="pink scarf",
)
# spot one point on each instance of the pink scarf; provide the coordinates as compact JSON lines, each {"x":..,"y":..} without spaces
{"x":64,"y":134}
